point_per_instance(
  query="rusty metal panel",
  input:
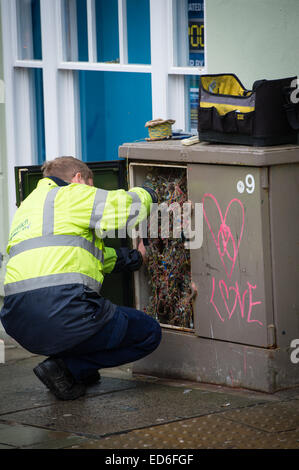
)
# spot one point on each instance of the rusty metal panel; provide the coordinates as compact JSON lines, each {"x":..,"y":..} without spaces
{"x":232,"y":269}
{"x":284,"y":188}
{"x":269,"y":417}
{"x":240,"y":429}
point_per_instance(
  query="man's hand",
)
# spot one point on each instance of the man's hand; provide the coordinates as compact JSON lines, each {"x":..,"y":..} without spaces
{"x":194,"y":291}
{"x":142,"y":250}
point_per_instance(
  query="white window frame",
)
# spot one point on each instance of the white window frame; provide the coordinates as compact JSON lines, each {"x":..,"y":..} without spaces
{"x":60,"y":90}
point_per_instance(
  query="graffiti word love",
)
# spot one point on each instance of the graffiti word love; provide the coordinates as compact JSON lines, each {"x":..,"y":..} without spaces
{"x":232,"y":300}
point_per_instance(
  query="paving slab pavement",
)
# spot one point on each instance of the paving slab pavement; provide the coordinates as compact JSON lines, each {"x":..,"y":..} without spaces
{"x":138,"y":412}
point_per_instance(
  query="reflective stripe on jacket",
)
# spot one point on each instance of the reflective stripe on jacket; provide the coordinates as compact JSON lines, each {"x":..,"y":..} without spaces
{"x":55,"y":238}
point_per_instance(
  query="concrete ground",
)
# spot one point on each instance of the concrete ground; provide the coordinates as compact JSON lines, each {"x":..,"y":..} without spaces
{"x":137,"y":412}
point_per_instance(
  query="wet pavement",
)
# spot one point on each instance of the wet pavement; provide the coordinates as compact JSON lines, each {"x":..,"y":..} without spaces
{"x":126,"y":411}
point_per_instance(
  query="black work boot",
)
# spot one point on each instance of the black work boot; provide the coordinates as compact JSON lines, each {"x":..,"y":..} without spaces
{"x":91,"y":379}
{"x":55,"y":375}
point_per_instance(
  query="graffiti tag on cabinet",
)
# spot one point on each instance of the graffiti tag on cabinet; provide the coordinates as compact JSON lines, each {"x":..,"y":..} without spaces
{"x":231,"y":298}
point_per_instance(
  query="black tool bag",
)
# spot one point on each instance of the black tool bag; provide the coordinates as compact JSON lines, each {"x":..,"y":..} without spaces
{"x":265,"y":115}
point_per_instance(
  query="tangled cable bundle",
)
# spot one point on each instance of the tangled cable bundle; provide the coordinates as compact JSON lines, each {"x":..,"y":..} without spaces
{"x":168,"y":265}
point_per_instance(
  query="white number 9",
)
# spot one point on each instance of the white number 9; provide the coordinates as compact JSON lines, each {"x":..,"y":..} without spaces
{"x":250,"y":184}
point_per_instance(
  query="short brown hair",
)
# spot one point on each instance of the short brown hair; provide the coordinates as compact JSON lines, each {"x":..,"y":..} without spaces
{"x":66,"y":168}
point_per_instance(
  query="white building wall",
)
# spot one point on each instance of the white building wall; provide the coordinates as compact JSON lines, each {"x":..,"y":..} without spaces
{"x":255,"y":39}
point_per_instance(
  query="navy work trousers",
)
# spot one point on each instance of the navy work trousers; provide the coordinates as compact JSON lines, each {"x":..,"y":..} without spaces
{"x":127,"y":337}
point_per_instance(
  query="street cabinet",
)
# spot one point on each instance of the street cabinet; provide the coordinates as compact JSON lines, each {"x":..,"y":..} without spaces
{"x":246,"y":314}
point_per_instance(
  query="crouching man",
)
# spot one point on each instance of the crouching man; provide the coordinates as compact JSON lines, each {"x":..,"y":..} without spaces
{"x":57,"y":263}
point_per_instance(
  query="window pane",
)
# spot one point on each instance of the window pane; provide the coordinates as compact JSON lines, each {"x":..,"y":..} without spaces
{"x":138,"y":23}
{"x":114,"y":108}
{"x":82,"y":30}
{"x":189,"y":33}
{"x":74,"y":24}
{"x":38,"y":113}
{"x":29,"y":29}
{"x":29,"y":116}
{"x":192,"y":84}
{"x":107,"y":30}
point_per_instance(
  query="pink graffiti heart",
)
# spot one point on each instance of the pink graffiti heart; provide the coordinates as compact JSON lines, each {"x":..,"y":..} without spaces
{"x":224,"y":235}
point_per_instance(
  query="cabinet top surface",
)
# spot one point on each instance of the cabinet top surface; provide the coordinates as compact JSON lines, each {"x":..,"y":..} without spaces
{"x":205,"y":152}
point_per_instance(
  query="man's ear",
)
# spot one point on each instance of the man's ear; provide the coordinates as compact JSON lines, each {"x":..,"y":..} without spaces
{"x":77,"y":178}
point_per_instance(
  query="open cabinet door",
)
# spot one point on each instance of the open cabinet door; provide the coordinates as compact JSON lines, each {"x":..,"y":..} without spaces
{"x":4,"y":225}
{"x":109,"y":176}
{"x":3,"y":204}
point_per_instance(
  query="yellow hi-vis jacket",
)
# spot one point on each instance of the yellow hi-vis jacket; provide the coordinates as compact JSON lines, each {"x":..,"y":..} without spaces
{"x":55,"y":237}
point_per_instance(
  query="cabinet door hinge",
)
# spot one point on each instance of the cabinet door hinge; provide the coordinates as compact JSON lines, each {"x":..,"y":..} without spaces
{"x":265,"y":177}
{"x":271,"y":333}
